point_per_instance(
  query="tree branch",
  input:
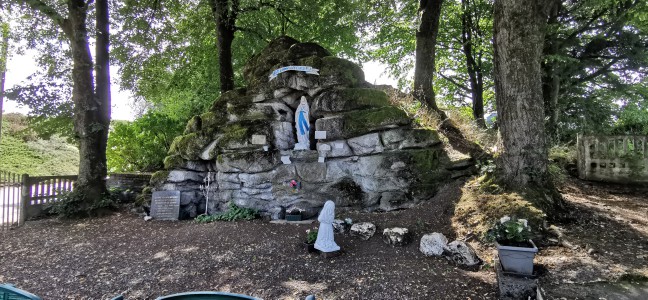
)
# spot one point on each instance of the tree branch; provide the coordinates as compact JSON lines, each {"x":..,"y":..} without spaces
{"x":51,"y":13}
{"x":461,"y":86}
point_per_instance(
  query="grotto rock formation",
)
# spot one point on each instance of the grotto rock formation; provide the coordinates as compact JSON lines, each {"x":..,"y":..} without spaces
{"x":373,"y":159}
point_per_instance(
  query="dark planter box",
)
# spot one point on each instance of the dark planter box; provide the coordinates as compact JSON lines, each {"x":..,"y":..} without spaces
{"x":293,"y":217}
{"x":310,"y":248}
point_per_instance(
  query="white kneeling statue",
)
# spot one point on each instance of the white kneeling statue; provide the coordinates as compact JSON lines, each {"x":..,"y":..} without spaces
{"x":325,"y":242}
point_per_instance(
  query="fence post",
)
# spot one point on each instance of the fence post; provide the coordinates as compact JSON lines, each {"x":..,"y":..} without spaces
{"x":25,"y":198}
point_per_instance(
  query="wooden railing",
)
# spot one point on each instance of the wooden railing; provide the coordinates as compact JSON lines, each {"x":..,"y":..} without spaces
{"x":41,"y":190}
{"x":622,"y":159}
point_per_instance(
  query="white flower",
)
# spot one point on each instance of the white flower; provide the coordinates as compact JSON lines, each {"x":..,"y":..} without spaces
{"x":520,"y":229}
{"x":505,"y":219}
{"x":524,"y":222}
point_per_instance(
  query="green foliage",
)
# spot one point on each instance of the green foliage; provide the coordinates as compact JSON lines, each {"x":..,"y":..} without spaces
{"x":23,"y":152}
{"x":509,"y":230}
{"x":234,"y":213}
{"x":141,"y":145}
{"x":311,"y":236}
{"x":75,"y":205}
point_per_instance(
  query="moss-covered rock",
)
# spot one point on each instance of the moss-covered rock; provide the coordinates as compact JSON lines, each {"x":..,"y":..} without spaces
{"x":238,"y":101}
{"x":247,"y":162}
{"x":212,"y":122}
{"x":356,"y":123}
{"x":194,"y":125}
{"x":342,"y":100}
{"x":189,"y":146}
{"x":174,"y":161}
{"x":158,"y":178}
{"x":258,"y":68}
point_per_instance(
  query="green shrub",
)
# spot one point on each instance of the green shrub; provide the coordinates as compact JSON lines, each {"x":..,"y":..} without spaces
{"x":234,"y":213}
{"x":75,"y":205}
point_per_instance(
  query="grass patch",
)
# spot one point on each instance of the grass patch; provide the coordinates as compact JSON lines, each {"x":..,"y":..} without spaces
{"x":478,"y":209}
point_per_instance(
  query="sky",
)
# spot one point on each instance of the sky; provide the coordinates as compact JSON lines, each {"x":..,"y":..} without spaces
{"x":20,"y":67}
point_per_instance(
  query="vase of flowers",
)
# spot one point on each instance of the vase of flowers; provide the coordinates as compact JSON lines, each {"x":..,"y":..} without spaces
{"x":515,"y":248}
{"x":311,"y":237}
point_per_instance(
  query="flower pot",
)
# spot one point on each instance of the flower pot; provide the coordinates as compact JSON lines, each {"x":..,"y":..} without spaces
{"x":310,"y":248}
{"x":293,"y":217}
{"x":518,"y":260}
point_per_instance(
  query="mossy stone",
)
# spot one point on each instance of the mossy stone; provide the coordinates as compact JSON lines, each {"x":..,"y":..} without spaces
{"x":343,"y":100}
{"x":363,"y":121}
{"x":174,"y":161}
{"x":258,"y":67}
{"x":189,"y":146}
{"x":193,"y":125}
{"x":212,"y":122}
{"x":158,"y":178}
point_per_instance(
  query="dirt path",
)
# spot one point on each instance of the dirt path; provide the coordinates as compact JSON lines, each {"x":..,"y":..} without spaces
{"x":607,"y":227}
{"x":100,"y":258}
{"x":122,"y":254}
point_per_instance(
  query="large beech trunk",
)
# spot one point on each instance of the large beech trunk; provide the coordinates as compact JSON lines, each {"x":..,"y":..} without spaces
{"x":90,"y":119}
{"x":426,"y":37}
{"x":519,"y":36}
{"x":225,"y":13}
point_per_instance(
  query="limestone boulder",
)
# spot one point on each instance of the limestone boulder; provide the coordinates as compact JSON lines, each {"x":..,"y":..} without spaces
{"x":397,"y":236}
{"x":247,"y":162}
{"x":341,"y":226}
{"x":366,"y":144}
{"x":463,"y":255}
{"x":336,"y":101}
{"x":356,"y":123}
{"x":433,"y":244}
{"x":364,"y":230}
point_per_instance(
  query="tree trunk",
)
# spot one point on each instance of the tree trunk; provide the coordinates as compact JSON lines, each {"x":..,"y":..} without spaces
{"x":89,"y":112}
{"x":519,"y":37}
{"x":551,"y":83}
{"x":4,"y":56}
{"x":225,"y":18}
{"x":426,"y":36}
{"x":476,"y":82}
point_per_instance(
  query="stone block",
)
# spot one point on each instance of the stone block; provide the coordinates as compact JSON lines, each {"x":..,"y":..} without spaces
{"x":366,"y":144}
{"x":463,"y":255}
{"x":342,"y":100}
{"x":433,"y":244}
{"x":284,"y":138}
{"x":397,"y":236}
{"x":364,"y":230}
{"x":180,"y":176}
{"x":339,"y":148}
{"x":311,"y":172}
{"x":247,"y":162}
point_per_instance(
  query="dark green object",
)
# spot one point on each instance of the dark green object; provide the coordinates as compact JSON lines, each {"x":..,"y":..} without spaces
{"x":9,"y":292}
{"x":206,"y":296}
{"x":293,"y":217}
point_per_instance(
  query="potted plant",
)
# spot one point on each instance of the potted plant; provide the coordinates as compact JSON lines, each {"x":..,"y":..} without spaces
{"x":311,"y":237}
{"x":294,"y":215}
{"x":515,"y":248}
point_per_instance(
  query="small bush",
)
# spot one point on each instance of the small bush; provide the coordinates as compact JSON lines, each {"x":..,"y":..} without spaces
{"x":234,"y":213}
{"x":75,"y":205}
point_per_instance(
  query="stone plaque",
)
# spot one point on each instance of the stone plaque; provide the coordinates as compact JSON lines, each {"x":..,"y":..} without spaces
{"x":320,"y":134}
{"x":165,"y":205}
{"x":258,"y":139}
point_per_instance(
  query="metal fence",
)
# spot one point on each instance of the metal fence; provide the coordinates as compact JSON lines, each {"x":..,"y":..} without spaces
{"x":10,"y":200}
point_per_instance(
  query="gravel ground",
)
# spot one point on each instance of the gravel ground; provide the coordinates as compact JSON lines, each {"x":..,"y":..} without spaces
{"x":122,"y":254}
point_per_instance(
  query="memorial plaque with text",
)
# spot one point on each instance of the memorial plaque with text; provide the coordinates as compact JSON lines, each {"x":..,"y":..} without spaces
{"x":165,"y":205}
